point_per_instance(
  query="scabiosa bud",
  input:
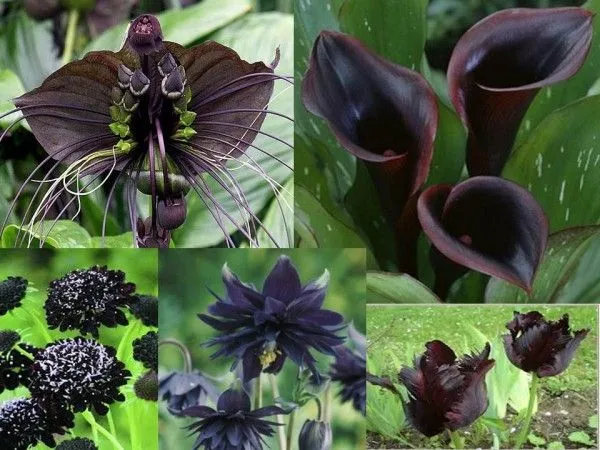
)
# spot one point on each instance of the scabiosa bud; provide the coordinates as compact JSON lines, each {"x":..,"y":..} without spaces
{"x":77,"y":444}
{"x":8,"y":339}
{"x":145,"y":308}
{"x":15,"y":365}
{"x":24,"y":422}
{"x":315,"y":435}
{"x":85,"y":299}
{"x":182,"y":390}
{"x":12,"y":291}
{"x":146,"y":386}
{"x":145,"y":350}
{"x":79,"y":373}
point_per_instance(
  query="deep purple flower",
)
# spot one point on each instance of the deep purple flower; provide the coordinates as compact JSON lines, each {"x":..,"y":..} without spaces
{"x":15,"y":364}
{"x":155,"y":118}
{"x":182,"y":390}
{"x":77,"y":444}
{"x":501,"y":63}
{"x":445,"y":392}
{"x":12,"y":292}
{"x":233,"y":425}
{"x":145,"y":308}
{"x":145,"y":350}
{"x":350,"y":370}
{"x":537,"y":345}
{"x":286,"y":319}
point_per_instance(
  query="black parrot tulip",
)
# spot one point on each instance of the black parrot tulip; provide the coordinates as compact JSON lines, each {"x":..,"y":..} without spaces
{"x":383,"y":113}
{"x":486,"y":224}
{"x":445,"y":393}
{"x":154,"y":117}
{"x":544,"y":347}
{"x":500,"y":64}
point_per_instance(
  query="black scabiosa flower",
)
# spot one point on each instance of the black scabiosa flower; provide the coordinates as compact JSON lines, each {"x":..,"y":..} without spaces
{"x":445,"y":392}
{"x":15,"y":364}
{"x":233,"y":425}
{"x":24,"y":422}
{"x":541,"y":346}
{"x":350,"y":370}
{"x":145,"y":308}
{"x":182,"y":390}
{"x":145,"y":350}
{"x":146,"y":386}
{"x":78,"y":373}
{"x":77,"y":444}
{"x":157,"y":119}
{"x":286,"y":319}
{"x":85,"y":299}
{"x":12,"y":292}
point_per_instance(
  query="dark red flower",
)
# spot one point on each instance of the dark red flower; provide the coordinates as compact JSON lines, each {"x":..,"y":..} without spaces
{"x":537,"y":345}
{"x":445,"y":392}
{"x":501,"y":63}
{"x":486,"y":224}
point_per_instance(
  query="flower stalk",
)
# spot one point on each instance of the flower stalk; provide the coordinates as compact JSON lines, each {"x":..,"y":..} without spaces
{"x":71,"y":35}
{"x":529,"y":414}
{"x":187,"y":357}
{"x":280,"y":429}
{"x":258,"y":393}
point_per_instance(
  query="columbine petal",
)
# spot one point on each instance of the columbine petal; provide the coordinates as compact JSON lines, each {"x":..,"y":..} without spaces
{"x":283,"y":282}
{"x":499,"y":65}
{"x":487,"y":224}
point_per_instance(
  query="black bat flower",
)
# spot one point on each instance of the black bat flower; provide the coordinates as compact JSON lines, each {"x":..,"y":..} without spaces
{"x":380,"y":112}
{"x":233,"y":425}
{"x":286,"y":319}
{"x":445,"y":392}
{"x":487,"y":224}
{"x":156,"y":118}
{"x":501,"y":63}
{"x":537,"y":345}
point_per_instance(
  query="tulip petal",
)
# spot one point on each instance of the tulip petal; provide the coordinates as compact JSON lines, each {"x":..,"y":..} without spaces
{"x":499,"y":65}
{"x":380,"y":112}
{"x":563,"y":358}
{"x":487,"y":224}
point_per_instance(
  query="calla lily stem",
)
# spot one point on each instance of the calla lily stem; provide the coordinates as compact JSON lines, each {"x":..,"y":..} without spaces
{"x":71,"y":35}
{"x":529,"y":414}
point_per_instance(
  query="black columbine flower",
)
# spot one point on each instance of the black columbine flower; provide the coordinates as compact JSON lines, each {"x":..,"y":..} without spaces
{"x":145,"y":350}
{"x":537,"y":345}
{"x":350,"y":370}
{"x":315,"y":435}
{"x":145,"y":308}
{"x":146,"y":386}
{"x":24,"y":422}
{"x":445,"y":392}
{"x":159,"y":117}
{"x":15,"y":364}
{"x":12,"y":292}
{"x":233,"y":425}
{"x":286,"y":319}
{"x":77,"y":444}
{"x":501,"y":63}
{"x":85,"y":299}
{"x":182,"y":390}
{"x":78,"y":373}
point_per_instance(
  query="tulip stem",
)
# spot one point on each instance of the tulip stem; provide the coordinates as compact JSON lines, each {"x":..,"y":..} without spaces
{"x":456,"y":440}
{"x":529,"y":414}
{"x":279,"y":417}
{"x":70,"y":38}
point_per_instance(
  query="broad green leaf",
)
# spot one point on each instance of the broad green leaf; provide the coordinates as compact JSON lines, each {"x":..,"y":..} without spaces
{"x":555,"y":445}
{"x":124,"y":240}
{"x":255,"y":37}
{"x":568,"y":273}
{"x":385,"y":287}
{"x":559,"y":163}
{"x":581,"y":437}
{"x":59,"y":234}
{"x":316,"y":227}
{"x":593,"y":421}
{"x":10,"y":87}
{"x":279,"y":220}
{"x":536,"y":440}
{"x":396,"y":32}
{"x":183,"y":26}
{"x":557,"y":96}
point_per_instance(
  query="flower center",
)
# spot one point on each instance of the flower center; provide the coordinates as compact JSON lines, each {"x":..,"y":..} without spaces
{"x":269,"y":354}
{"x":144,"y":26}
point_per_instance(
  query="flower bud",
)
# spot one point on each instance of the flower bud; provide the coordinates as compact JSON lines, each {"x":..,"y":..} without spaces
{"x":315,"y":435}
{"x":124,"y":74}
{"x":167,"y":64}
{"x":171,"y":212}
{"x":139,"y":83}
{"x":173,"y":84}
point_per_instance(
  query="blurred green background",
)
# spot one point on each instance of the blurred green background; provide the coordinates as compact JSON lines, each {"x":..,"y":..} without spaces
{"x":185,"y":277}
{"x":42,"y":266}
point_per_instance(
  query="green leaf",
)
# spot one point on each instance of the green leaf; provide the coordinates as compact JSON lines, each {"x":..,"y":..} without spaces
{"x":279,"y":220}
{"x":124,"y":240}
{"x":568,"y":273}
{"x":536,"y":440}
{"x":581,"y":437}
{"x":397,"y":288}
{"x":593,"y":421}
{"x":555,"y":445}
{"x":551,"y":98}
{"x":59,"y":234}
{"x":183,"y":26}
{"x":560,"y":164}
{"x":255,"y":37}
{"x":10,"y":88}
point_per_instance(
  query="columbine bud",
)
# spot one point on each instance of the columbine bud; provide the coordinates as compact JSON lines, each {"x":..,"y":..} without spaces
{"x":315,"y":435}
{"x":139,"y":83}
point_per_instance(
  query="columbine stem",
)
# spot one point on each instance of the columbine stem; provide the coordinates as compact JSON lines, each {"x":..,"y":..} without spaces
{"x":70,"y":38}
{"x":279,"y":417}
{"x":290,"y":430}
{"x":529,"y":414}
{"x":187,"y":357}
{"x":457,"y":442}
{"x":327,"y":403}
{"x":258,"y":393}
{"x":89,"y":417}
